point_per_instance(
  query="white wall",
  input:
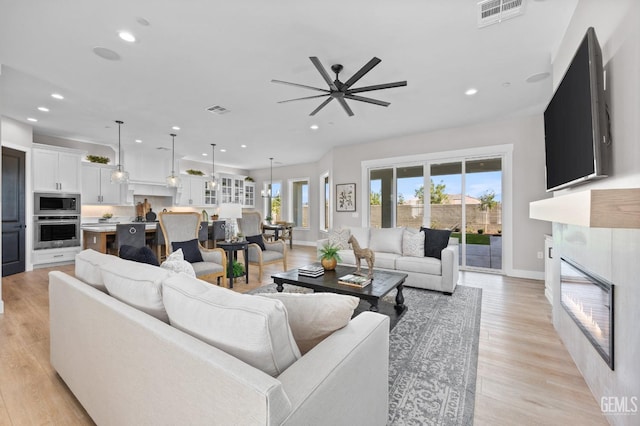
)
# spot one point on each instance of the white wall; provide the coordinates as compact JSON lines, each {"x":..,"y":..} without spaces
{"x":613,"y":254}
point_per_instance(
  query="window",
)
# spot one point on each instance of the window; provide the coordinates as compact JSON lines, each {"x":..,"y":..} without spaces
{"x":325,"y":202}
{"x":273,"y":202}
{"x":299,"y":206}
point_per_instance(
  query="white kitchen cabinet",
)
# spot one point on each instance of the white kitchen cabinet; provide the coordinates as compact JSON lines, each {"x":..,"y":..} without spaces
{"x":56,"y":170}
{"x":97,"y":187}
{"x":249,"y":195}
{"x":549,"y":272}
{"x":231,"y":189}
{"x":192,"y":191}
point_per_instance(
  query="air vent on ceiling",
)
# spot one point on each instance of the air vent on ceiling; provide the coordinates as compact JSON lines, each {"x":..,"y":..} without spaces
{"x":217,"y":109}
{"x":494,"y":11}
{"x":161,"y":148}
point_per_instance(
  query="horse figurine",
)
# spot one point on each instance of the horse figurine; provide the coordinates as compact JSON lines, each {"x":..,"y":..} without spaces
{"x":362,"y":253}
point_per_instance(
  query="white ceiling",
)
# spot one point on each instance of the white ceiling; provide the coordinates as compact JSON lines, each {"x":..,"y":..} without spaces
{"x":199,"y":53}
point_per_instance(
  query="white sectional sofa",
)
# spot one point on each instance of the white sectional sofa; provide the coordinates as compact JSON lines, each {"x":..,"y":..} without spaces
{"x":140,"y":362}
{"x":397,"y":249}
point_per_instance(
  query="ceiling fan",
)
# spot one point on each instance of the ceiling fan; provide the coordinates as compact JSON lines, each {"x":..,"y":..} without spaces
{"x":342,"y":91}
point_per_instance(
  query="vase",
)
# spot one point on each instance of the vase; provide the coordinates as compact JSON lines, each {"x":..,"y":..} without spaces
{"x":329,"y":264}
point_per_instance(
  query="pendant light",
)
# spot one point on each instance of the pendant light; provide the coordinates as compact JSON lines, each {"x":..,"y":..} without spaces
{"x":212,"y":184}
{"x":173,"y":181}
{"x":119,"y":176}
{"x":266,"y":193}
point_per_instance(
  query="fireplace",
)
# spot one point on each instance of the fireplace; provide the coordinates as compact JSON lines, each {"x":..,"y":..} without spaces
{"x":588,"y":299}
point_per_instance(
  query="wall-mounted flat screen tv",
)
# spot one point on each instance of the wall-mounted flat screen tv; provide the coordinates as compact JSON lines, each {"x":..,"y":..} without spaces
{"x":577,"y":140}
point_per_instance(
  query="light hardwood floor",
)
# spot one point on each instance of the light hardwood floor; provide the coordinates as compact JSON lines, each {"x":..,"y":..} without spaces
{"x":525,"y":374}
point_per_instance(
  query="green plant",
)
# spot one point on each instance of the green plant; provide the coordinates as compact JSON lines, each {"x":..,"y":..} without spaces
{"x":195,"y":172}
{"x":237,"y":269}
{"x":329,"y":251}
{"x":98,"y":159}
{"x":480,"y":231}
{"x":107,"y":215}
{"x":249,"y":179}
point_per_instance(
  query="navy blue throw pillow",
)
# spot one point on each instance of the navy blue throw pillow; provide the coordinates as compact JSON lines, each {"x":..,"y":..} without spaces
{"x":190,"y":250}
{"x":258,"y":240}
{"x":434,"y":241}
{"x":139,"y":254}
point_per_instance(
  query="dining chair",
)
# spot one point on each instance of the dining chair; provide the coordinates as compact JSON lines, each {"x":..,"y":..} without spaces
{"x":182,"y":228}
{"x":250,"y":225}
{"x":130,"y":234}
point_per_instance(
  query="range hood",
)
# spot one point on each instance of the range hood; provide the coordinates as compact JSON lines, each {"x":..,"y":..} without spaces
{"x":151,"y":189}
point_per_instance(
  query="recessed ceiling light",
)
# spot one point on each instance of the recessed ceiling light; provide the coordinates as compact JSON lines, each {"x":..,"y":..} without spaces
{"x":127,"y":36}
{"x":471,"y":92}
{"x":537,"y":77}
{"x":105,"y":53}
{"x":314,"y":127}
{"x":138,"y":140}
{"x":204,"y":154}
{"x":57,"y":96}
{"x":243,"y":146}
{"x":223,"y":150}
{"x":32,"y":119}
{"x":43,"y":109}
{"x":176,"y":128}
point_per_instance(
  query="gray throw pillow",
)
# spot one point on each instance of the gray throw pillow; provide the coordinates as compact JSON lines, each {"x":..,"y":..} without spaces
{"x":190,"y":249}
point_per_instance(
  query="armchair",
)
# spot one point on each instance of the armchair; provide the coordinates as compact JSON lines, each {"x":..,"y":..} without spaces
{"x":184,"y":226}
{"x":250,"y":225}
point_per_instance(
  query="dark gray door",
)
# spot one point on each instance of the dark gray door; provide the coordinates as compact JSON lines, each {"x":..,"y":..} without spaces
{"x":13,"y":211}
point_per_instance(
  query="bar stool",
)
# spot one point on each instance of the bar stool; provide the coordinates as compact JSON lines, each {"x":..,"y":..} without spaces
{"x":130,"y":234}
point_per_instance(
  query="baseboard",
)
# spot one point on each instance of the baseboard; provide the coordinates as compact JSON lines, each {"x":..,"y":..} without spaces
{"x":522,"y":273}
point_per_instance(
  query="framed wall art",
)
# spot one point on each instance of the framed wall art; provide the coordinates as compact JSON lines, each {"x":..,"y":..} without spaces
{"x":346,"y":197}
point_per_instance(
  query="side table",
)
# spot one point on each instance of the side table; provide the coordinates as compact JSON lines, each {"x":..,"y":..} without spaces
{"x":231,"y":249}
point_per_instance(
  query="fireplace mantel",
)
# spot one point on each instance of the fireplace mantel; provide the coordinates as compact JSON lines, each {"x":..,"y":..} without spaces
{"x":595,"y":208}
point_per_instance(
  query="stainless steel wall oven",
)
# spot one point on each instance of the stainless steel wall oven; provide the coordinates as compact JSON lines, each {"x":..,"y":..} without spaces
{"x":56,"y":220}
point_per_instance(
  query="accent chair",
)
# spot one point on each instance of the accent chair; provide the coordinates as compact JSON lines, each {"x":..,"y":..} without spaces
{"x":250,"y":225}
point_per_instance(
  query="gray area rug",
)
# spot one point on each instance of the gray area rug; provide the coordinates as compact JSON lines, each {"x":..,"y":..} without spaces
{"x":433,"y":356}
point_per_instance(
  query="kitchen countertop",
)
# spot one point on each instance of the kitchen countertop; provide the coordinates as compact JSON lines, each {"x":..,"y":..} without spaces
{"x":111,"y":227}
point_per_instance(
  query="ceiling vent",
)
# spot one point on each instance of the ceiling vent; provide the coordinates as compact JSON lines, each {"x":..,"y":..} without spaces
{"x":495,"y":11}
{"x":161,"y":148}
{"x":217,"y":109}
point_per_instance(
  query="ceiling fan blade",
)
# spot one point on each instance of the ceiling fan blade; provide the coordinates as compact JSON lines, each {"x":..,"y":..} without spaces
{"x":345,"y":106}
{"x":362,"y":71}
{"x":322,"y":105}
{"x":300,"y":85}
{"x":323,"y":72}
{"x":378,"y":87}
{"x":368,"y":100}
{"x":300,"y":99}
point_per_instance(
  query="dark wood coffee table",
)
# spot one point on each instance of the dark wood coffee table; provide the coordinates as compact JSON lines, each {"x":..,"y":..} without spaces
{"x":383,"y":282}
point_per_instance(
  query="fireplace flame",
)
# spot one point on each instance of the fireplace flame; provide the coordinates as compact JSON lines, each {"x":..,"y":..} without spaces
{"x":586,"y":319}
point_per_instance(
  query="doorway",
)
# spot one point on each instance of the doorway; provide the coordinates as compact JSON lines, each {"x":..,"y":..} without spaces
{"x":13,"y":212}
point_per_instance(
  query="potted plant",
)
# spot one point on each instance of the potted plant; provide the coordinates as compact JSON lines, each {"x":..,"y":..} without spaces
{"x":268,"y":219}
{"x":237,"y":269}
{"x":329,"y":256}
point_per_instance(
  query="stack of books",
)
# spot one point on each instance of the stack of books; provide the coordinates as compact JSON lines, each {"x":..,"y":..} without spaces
{"x":354,"y":280}
{"x":311,"y":271}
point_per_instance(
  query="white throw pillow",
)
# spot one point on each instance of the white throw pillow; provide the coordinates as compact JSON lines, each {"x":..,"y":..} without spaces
{"x":137,"y":284}
{"x":340,"y":238}
{"x":88,"y":263}
{"x":386,"y":240}
{"x":176,"y":263}
{"x":253,"y":329}
{"x":315,"y":316}
{"x":413,"y":243}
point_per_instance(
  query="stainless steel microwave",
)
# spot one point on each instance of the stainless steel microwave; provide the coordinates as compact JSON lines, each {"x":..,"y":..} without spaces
{"x":53,"y":203}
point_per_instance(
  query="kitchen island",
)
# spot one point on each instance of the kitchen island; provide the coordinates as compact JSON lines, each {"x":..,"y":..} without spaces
{"x":100,"y":236}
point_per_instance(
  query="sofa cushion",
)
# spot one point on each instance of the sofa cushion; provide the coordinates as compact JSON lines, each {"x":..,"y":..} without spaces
{"x":386,"y":260}
{"x":434,"y":241}
{"x":386,"y":240}
{"x":314,"y":316}
{"x":190,"y":250}
{"x":88,"y":263}
{"x":423,"y":265}
{"x":340,"y":237}
{"x":413,"y":243}
{"x":347,"y":257}
{"x":362,"y":235}
{"x":257,"y":239}
{"x":138,"y":254}
{"x":175,"y":262}
{"x":137,"y":284}
{"x":253,"y":329}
